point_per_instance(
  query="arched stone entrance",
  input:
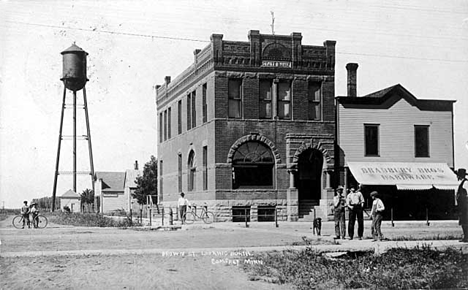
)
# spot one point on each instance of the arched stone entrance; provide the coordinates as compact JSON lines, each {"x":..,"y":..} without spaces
{"x":310,"y":174}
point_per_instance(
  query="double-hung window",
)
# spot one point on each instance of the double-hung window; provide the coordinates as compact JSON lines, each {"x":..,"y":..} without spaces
{"x":421,"y":141}
{"x":284,"y":100}
{"x":179,"y":117}
{"x":275,"y":99}
{"x":235,"y":98}
{"x":189,"y":112}
{"x":265,"y":99}
{"x":314,"y":96}
{"x":204,"y":104}
{"x":371,"y":139}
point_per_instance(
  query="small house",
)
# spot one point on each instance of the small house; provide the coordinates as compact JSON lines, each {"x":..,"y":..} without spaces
{"x":70,"y":199}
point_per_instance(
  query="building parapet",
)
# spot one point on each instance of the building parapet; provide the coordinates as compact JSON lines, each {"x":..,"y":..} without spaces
{"x":262,"y":53}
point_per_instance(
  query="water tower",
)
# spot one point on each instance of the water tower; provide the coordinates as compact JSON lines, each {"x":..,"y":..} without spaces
{"x":74,"y":79}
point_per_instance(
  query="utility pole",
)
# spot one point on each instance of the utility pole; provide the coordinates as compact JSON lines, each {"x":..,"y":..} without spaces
{"x":272,"y":22}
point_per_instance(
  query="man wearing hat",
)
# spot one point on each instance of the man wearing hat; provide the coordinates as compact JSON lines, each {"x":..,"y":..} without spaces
{"x":339,"y":204}
{"x":182,"y":203}
{"x":377,"y":216}
{"x":355,"y":203}
{"x":462,"y":203}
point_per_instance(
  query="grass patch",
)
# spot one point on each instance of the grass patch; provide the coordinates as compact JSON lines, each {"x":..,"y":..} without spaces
{"x":7,"y":213}
{"x":89,"y":220}
{"x":398,"y":268}
{"x":425,"y":238}
{"x":312,"y":242}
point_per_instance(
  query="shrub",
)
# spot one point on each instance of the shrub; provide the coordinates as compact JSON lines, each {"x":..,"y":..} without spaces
{"x":89,"y":220}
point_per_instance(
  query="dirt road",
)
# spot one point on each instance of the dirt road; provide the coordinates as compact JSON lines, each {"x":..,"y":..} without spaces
{"x":194,"y":257}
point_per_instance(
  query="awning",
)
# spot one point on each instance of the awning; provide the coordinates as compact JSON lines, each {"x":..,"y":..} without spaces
{"x":412,"y":176}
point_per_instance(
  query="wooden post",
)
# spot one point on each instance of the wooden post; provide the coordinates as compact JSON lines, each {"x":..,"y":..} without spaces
{"x":245,"y":217}
{"x":276,"y":216}
{"x":391,"y":216}
{"x":427,"y":216}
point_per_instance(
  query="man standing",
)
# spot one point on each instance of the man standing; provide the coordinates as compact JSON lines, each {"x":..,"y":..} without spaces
{"x":462,"y":203}
{"x":377,"y":216}
{"x":339,"y":204}
{"x":25,"y":214}
{"x":182,"y":203}
{"x":355,"y":202}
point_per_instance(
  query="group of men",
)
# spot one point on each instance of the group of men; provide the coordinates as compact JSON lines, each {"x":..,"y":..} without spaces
{"x":354,"y":201}
{"x":27,"y":210}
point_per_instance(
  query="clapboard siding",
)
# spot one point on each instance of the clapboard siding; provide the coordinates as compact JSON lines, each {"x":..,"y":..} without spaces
{"x":396,"y":133}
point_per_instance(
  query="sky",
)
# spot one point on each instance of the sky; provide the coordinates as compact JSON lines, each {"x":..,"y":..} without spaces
{"x":133,"y":45}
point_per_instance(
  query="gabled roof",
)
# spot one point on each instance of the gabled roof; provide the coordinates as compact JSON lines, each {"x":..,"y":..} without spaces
{"x":130,"y":177}
{"x":384,"y":92}
{"x":111,"y":181}
{"x":70,"y":193}
{"x":389,"y":96}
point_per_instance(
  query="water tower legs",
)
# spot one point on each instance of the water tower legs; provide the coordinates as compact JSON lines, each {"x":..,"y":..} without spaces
{"x":58,"y":150}
{"x":88,"y":132}
{"x":87,"y":137}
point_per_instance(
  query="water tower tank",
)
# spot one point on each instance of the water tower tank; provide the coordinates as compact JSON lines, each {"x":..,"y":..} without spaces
{"x":74,"y":68}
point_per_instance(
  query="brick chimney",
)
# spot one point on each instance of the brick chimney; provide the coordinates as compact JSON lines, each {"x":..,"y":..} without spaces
{"x":352,"y":79}
{"x":136,"y":164}
{"x":167,"y":79}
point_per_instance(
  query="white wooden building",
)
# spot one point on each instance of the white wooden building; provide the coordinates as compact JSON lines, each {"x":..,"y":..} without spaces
{"x":399,"y":145}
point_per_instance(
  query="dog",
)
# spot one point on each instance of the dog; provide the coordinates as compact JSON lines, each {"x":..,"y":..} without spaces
{"x":317,"y":229}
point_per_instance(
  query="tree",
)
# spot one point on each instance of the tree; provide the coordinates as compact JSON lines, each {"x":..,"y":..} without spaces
{"x":147,"y":184}
{"x":87,"y":198}
{"x":45,"y":203}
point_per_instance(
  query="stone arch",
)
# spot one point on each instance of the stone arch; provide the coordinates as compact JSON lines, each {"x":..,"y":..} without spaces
{"x":253,"y":137}
{"x":311,"y":145}
{"x":276,"y":51}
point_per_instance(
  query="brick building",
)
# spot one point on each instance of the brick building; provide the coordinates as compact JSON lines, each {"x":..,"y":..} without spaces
{"x":249,"y":127}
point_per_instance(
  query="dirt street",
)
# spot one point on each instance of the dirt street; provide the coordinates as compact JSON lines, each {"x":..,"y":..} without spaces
{"x":194,"y":257}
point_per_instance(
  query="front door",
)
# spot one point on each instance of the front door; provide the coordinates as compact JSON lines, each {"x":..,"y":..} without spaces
{"x":309,"y":177}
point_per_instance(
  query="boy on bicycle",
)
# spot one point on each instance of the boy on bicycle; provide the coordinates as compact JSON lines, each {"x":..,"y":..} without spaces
{"x":25,"y":214}
{"x":34,"y":212}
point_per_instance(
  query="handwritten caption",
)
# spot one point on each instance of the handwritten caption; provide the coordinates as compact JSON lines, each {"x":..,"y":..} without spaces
{"x":220,"y":257}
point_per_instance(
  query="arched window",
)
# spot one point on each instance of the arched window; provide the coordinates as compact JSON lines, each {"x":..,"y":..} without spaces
{"x":252,"y":166}
{"x":191,"y":171}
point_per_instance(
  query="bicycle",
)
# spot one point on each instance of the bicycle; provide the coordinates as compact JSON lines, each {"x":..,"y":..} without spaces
{"x":207,"y":216}
{"x":39,"y":221}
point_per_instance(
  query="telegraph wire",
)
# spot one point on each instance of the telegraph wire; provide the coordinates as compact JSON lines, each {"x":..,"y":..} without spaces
{"x":152,"y":36}
{"x":110,"y":32}
{"x":402,"y":57}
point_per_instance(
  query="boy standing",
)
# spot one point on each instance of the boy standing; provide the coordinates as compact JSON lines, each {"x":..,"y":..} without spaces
{"x":34,"y":212}
{"x":377,"y":216}
{"x":25,"y":214}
